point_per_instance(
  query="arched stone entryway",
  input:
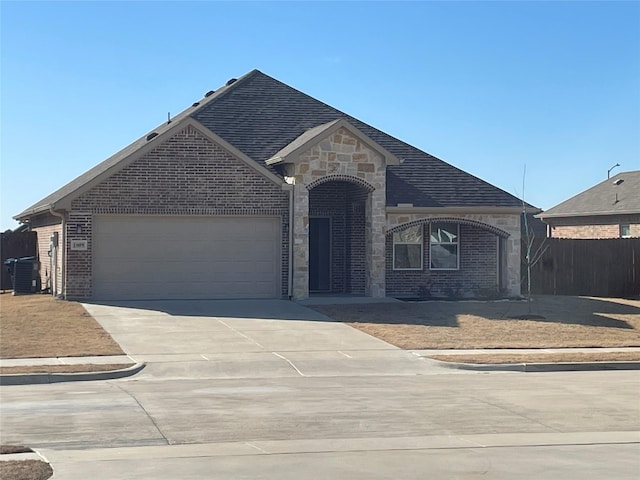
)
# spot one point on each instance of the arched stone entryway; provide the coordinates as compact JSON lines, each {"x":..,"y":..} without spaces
{"x":338,"y":237}
{"x":326,"y":162}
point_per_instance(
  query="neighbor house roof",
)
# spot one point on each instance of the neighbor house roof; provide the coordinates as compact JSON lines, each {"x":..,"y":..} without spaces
{"x":261,"y":116}
{"x":618,"y":195}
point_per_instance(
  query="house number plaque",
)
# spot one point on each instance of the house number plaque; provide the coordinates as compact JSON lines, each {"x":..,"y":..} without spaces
{"x":78,"y":244}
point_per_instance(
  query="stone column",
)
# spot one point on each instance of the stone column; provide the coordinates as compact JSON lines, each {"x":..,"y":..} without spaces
{"x":300,"y":242}
{"x":513,"y":263}
{"x":376,"y":225}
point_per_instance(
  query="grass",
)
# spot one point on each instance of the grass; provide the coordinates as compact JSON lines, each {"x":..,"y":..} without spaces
{"x":37,"y":326}
{"x":22,"y":469}
{"x":572,"y":357}
{"x":9,"y":449}
{"x":25,"y":470}
{"x":548,"y":322}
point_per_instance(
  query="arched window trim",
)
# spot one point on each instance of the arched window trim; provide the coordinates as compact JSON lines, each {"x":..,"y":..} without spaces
{"x":463,"y":221}
{"x":339,"y":177}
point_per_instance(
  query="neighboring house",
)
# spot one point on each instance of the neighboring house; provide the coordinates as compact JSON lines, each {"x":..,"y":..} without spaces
{"x":260,"y":191}
{"x":611,"y":209}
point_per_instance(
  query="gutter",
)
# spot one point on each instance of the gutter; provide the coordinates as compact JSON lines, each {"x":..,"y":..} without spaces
{"x":543,"y":215}
{"x":33,"y":211}
{"x":408,"y":208}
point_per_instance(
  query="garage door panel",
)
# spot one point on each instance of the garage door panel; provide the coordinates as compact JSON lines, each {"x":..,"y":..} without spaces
{"x":147,"y":257}
{"x":146,"y":273}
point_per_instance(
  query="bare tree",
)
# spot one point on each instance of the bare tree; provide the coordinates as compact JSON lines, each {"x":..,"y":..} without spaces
{"x":531,"y":256}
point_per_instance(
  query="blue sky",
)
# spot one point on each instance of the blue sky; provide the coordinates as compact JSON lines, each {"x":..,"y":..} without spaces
{"x":486,"y":86}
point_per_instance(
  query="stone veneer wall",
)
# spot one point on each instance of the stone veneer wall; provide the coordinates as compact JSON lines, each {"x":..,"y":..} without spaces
{"x":340,"y":157}
{"x":509,"y":223}
{"x":185,"y":175}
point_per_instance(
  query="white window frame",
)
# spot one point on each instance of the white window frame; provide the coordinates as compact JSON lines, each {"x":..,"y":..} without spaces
{"x":432,"y":243}
{"x":421,"y":229}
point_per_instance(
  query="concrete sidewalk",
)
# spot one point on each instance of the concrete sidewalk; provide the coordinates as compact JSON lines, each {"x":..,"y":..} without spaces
{"x":319,"y":363}
{"x":168,"y":358}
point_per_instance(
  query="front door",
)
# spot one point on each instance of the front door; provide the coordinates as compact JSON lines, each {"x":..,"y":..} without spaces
{"x":319,"y":254}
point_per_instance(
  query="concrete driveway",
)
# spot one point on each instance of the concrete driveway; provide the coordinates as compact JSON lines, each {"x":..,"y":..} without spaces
{"x":247,"y":339}
{"x":269,"y":389}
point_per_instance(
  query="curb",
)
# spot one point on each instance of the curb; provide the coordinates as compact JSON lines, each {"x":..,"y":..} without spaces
{"x":540,"y":367}
{"x":46,"y":378}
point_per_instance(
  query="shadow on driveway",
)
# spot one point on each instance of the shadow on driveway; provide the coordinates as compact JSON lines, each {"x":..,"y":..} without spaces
{"x":262,"y":309}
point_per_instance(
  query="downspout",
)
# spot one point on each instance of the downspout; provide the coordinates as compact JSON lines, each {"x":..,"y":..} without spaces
{"x":63,"y":240}
{"x":291,"y":205}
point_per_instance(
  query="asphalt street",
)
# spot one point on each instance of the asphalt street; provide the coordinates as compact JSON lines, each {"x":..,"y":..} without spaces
{"x":348,"y":406}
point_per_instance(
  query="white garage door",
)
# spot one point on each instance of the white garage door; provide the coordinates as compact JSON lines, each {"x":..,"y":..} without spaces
{"x":183,"y":257}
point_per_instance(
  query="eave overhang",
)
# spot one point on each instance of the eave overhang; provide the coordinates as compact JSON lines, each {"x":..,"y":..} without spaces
{"x":544,"y":215}
{"x":489,"y":210}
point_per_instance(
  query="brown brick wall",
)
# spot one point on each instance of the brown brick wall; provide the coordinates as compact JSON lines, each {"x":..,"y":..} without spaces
{"x":187,"y":174}
{"x":477,"y":276}
{"x":593,"y":227}
{"x":586,"y":231}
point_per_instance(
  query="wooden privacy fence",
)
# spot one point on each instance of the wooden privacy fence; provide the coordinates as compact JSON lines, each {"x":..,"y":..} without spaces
{"x":15,"y":245}
{"x":600,"y":268}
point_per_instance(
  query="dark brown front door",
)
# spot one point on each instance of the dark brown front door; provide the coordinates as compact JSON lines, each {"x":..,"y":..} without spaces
{"x":319,"y":254}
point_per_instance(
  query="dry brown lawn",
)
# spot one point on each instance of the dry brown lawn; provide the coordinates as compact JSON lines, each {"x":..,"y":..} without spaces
{"x":22,"y":469}
{"x":8,"y":449}
{"x":573,"y":357}
{"x":548,"y":322}
{"x":25,"y":470}
{"x":36,"y":326}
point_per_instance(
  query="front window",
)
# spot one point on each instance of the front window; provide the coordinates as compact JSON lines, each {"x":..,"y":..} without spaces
{"x":625,"y":231}
{"x":444,"y":246}
{"x":407,"y":249}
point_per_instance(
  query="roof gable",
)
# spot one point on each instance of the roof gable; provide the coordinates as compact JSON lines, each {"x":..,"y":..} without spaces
{"x":62,"y":198}
{"x":614,"y":196}
{"x":314,"y":135}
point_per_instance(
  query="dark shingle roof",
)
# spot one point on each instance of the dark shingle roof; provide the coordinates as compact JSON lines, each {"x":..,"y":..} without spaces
{"x":614,"y":196}
{"x":261,"y":115}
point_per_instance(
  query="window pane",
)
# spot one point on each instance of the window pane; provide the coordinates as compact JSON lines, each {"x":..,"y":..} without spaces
{"x":409,"y":235}
{"x":408,"y":256}
{"x":444,"y":256}
{"x":625,"y":230}
{"x":442,"y":232}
